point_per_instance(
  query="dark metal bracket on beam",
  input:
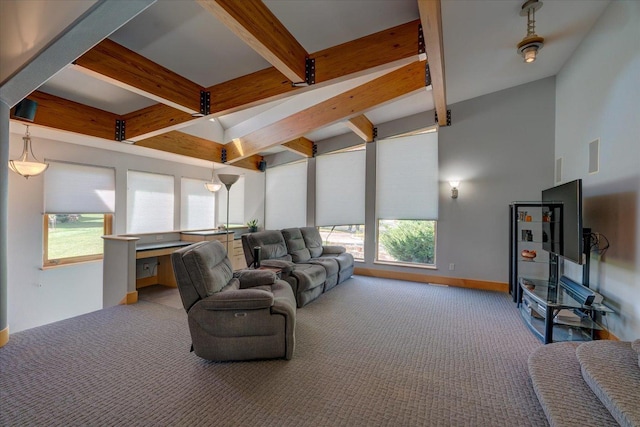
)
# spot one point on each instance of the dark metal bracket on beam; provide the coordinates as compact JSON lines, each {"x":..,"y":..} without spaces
{"x":205,"y":103}
{"x":314,"y":149}
{"x":427,"y":75}
{"x":223,"y":155}
{"x":309,"y":73}
{"x":375,"y":134}
{"x":421,"y":46}
{"x":448,"y":117}
{"x":120,"y":130}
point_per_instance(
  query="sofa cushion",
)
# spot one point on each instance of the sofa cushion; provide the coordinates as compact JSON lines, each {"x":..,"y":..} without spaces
{"x":208,"y":267}
{"x":312,"y":240}
{"x":272,"y":244}
{"x":296,"y":245}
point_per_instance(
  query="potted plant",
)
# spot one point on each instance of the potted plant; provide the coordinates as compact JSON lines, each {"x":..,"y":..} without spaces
{"x":253,"y":225}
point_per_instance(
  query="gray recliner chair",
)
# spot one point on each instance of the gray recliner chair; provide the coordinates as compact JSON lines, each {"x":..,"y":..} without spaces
{"x":242,"y":316}
{"x":306,"y":280}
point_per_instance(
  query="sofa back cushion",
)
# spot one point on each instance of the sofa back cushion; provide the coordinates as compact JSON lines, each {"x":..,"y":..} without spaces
{"x":296,"y":245}
{"x":271,"y":242}
{"x":312,"y":240}
{"x":203,"y":267}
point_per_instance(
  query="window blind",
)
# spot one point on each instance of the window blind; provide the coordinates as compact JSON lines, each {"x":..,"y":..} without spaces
{"x":73,"y":188}
{"x":236,"y":207}
{"x":286,"y":196}
{"x":197,"y":205}
{"x":407,"y":177}
{"x":340,"y":188}
{"x":150,"y":202}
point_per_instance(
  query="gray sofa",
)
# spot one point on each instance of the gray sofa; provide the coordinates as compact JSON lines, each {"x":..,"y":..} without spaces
{"x":242,"y":316}
{"x":307,"y":266}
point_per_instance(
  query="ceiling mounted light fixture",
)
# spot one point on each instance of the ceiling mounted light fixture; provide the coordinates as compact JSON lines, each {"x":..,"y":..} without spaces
{"x":26,"y":166}
{"x":215,"y":184}
{"x":532,"y":43}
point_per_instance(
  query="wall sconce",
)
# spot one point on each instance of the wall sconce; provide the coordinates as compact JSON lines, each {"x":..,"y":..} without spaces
{"x":27,"y":165}
{"x":454,"y":189}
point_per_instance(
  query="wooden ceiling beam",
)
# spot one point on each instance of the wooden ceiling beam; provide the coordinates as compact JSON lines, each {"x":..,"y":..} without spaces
{"x":59,"y":113}
{"x":111,"y":62}
{"x":188,"y":145}
{"x":403,"y":81}
{"x":397,"y":45}
{"x":361,"y":126}
{"x":257,"y":26}
{"x":302,"y":146}
{"x":431,"y":17}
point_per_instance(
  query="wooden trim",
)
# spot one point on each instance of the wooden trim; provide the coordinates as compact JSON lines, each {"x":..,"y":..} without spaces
{"x":130,"y":298}
{"x":302,"y":146}
{"x":4,"y":336}
{"x":604,"y":334}
{"x":431,"y":17}
{"x":436,"y":280}
{"x":186,"y":145}
{"x":111,"y":62}
{"x":146,"y":281}
{"x":362,"y":127}
{"x":258,"y":27}
{"x":403,"y":81}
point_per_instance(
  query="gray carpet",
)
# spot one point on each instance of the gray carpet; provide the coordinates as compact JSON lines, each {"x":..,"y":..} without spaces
{"x":369,"y":352}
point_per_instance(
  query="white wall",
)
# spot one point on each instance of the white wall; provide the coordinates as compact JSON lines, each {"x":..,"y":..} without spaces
{"x":38,"y":296}
{"x":598,"y":96}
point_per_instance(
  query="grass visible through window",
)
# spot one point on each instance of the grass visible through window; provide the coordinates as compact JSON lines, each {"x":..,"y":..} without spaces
{"x":71,"y":236}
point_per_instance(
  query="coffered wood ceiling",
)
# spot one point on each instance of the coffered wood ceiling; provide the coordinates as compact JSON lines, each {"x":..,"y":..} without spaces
{"x":250,"y":55}
{"x":394,"y":50}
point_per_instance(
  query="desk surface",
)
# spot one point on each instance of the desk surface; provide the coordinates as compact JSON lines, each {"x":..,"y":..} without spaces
{"x":161,"y":245}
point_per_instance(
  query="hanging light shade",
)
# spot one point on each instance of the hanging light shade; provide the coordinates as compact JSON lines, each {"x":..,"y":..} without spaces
{"x":531,"y":43}
{"x":215,"y":184}
{"x":27,"y":165}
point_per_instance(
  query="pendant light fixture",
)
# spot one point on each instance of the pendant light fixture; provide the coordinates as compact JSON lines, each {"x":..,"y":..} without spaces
{"x":532,"y":43}
{"x":25,"y":165}
{"x":215,"y":184}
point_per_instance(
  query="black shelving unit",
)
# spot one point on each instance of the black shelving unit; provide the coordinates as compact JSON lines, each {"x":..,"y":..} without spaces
{"x":530,"y":224}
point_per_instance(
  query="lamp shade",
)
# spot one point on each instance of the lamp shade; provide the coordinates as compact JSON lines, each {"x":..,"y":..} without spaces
{"x":228,"y":180}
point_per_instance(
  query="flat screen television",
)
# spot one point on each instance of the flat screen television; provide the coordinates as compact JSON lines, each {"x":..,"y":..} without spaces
{"x":563,"y":225}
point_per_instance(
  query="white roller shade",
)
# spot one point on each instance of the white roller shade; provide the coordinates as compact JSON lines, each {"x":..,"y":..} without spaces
{"x":407,"y":177}
{"x":73,"y":188}
{"x":149,"y":202}
{"x":197,"y":205}
{"x":340,"y":188}
{"x":286,"y":196}
{"x":236,"y":207}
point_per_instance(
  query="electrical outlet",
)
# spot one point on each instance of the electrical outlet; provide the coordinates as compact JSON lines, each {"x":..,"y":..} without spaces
{"x":452,"y":266}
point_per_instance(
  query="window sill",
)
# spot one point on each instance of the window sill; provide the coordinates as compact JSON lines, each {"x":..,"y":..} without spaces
{"x":406,"y":264}
{"x":68,"y":264}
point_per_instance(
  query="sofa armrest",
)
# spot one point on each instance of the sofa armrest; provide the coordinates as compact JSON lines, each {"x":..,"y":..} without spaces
{"x":286,"y":266}
{"x":237,"y":299}
{"x":251,"y":278}
{"x":333,"y":250}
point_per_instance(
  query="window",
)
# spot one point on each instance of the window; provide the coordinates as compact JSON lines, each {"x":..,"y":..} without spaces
{"x":197,"y":205}
{"x":407,"y":199}
{"x":286,"y":196}
{"x":150,"y":202}
{"x":71,"y":238}
{"x":79,"y":206}
{"x":340,"y":192}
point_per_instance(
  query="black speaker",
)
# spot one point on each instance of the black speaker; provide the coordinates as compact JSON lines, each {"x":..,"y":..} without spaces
{"x":256,"y":256}
{"x":26,"y":110}
{"x":262,"y":166}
